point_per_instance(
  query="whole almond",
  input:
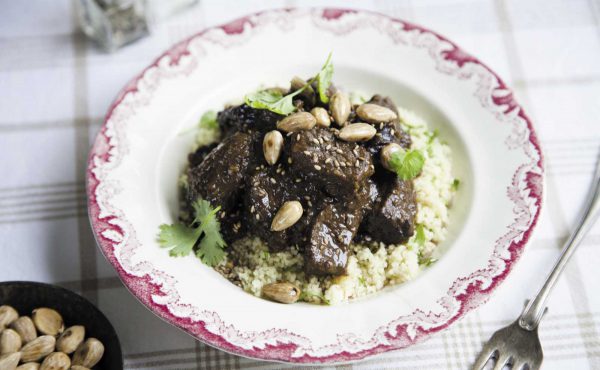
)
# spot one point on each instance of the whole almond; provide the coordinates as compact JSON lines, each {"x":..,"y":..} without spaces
{"x":10,"y":341}
{"x":88,"y":353}
{"x":321,"y":116}
{"x":297,"y":122}
{"x":38,"y":348}
{"x":374,"y":113}
{"x":7,"y":316}
{"x":56,"y":361}
{"x":70,"y":339}
{"x":281,"y":292}
{"x":48,"y":321}
{"x":29,"y":366}
{"x":24,"y":326}
{"x":357,"y":132}
{"x":9,"y":361}
{"x":272,"y":146}
{"x":289,"y":213}
{"x":340,"y":108}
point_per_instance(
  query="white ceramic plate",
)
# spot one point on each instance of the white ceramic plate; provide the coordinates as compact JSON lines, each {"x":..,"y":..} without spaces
{"x":139,"y":154}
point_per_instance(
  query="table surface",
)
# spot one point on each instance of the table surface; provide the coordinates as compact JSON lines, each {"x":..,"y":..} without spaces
{"x":55,"y":87}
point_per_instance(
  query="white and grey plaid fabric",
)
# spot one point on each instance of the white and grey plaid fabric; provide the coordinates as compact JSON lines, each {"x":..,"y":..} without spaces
{"x":55,"y":86}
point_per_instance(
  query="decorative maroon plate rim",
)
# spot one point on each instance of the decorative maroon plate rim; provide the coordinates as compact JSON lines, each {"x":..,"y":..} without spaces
{"x":526,"y":211}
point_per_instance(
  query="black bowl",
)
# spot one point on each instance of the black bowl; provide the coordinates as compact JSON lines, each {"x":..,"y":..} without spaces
{"x":25,"y":296}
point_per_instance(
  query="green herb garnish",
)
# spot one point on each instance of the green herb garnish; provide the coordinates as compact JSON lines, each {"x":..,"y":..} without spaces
{"x":455,"y":184}
{"x":324,"y":79}
{"x":362,"y":281}
{"x":182,"y":239}
{"x":407,"y":163}
{"x":432,"y":135}
{"x":427,"y":261}
{"x":275,"y":101}
{"x":209,"y":120}
{"x":420,"y":235}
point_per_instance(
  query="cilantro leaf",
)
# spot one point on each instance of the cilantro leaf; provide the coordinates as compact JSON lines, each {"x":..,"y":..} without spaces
{"x":324,"y":79}
{"x":210,"y":250}
{"x":209,"y":120}
{"x":407,"y":164}
{"x":272,"y":100}
{"x":183,"y":239}
{"x":275,"y":101}
{"x":179,"y":238}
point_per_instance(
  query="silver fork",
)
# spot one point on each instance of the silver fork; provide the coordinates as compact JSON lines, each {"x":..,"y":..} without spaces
{"x":518,"y":344}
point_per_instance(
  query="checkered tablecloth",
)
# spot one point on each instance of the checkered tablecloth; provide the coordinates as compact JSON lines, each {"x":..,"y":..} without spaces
{"x":55,"y":87}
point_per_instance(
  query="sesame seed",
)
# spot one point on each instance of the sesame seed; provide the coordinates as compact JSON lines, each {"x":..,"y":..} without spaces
{"x":342,"y":164}
{"x":257,"y":216}
{"x":315,"y":141}
{"x":309,"y":203}
{"x":315,"y":157}
{"x":306,"y":152}
{"x":328,"y":147}
{"x":392,"y":131}
{"x":272,"y":180}
{"x":381,"y":126}
{"x":257,"y":168}
{"x":298,"y":137}
{"x":290,"y":160}
{"x":340,"y":151}
{"x":298,"y":180}
{"x":283,"y":172}
{"x":317,"y":167}
{"x":290,"y":133}
{"x":325,"y":138}
{"x":327,"y":160}
{"x":306,"y":197}
{"x":278,"y":170}
{"x":321,"y":140}
{"x":357,"y":163}
{"x":378,"y":134}
{"x":252,"y":209}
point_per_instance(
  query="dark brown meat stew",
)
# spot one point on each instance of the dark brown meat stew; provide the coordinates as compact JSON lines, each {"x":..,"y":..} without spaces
{"x":316,"y":179}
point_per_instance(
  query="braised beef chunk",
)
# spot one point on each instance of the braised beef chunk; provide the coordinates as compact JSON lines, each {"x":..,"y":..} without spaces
{"x":244,"y":118}
{"x":333,"y":231}
{"x":390,"y":132}
{"x":392,"y":220}
{"x":233,"y":226}
{"x":266,"y":192}
{"x":264,"y":197}
{"x":327,"y":250}
{"x":220,"y":176}
{"x":338,"y":166}
{"x":197,"y":157}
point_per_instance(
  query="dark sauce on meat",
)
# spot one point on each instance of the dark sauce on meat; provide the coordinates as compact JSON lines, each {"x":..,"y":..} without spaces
{"x":344,"y":191}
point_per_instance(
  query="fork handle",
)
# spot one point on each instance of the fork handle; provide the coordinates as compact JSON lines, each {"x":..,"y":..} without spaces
{"x":533,"y":312}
